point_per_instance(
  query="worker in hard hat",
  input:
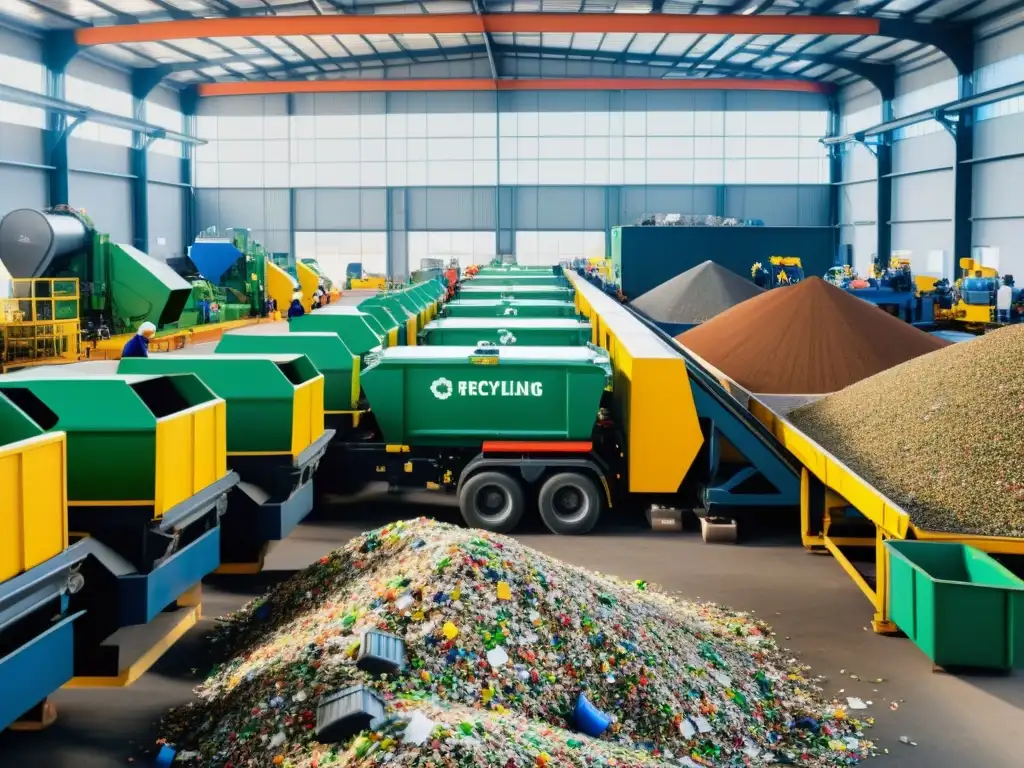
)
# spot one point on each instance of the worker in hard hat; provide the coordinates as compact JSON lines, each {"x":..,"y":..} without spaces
{"x":138,"y":345}
{"x":296,"y":309}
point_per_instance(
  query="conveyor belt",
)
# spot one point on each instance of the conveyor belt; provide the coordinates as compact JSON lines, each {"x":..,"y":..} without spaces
{"x":758,"y":445}
{"x":713,"y":388}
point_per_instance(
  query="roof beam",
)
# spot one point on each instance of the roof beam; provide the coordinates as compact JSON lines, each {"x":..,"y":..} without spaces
{"x":469,"y":23}
{"x":252,"y":88}
{"x":881,"y":75}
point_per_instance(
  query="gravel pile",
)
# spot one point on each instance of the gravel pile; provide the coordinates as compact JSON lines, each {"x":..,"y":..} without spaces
{"x":696,"y":295}
{"x":939,"y":435}
{"x":501,"y":642}
{"x":811,"y":338}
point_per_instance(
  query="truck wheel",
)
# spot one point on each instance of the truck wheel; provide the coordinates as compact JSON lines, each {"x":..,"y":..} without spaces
{"x":493,"y":501}
{"x":569,"y":503}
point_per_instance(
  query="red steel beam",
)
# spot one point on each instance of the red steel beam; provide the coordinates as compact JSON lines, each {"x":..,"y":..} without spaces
{"x":467,"y":23}
{"x":265,"y":87}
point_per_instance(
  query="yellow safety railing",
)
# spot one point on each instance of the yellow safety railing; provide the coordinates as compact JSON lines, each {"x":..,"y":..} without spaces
{"x":40,"y":323}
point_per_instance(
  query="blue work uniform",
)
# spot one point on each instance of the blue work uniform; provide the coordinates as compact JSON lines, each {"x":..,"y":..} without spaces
{"x":137,"y":346}
{"x":296,"y":309}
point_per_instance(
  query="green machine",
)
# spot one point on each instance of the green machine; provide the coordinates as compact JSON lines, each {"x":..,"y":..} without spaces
{"x":506,"y":332}
{"x":509,"y":308}
{"x":121,"y":287}
{"x":461,"y":396}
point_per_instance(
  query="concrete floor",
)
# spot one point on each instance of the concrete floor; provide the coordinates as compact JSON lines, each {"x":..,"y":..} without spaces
{"x":816,"y":610}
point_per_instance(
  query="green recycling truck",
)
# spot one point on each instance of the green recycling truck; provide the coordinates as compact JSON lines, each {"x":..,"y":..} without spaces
{"x":514,"y":292}
{"x":506,"y":331}
{"x":509,"y":308}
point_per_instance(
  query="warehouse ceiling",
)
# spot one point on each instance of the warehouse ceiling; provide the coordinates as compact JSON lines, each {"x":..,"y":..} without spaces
{"x":829,"y":41}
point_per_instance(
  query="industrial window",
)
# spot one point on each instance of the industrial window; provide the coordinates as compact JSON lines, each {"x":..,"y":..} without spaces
{"x":469,"y":248}
{"x":28,"y":76}
{"x":543,"y":248}
{"x":103,"y":98}
{"x":336,"y":250}
{"x":919,"y":100}
{"x":996,"y":75}
{"x":458,"y":140}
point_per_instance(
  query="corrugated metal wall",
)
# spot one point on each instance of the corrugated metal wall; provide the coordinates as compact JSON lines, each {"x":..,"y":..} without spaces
{"x":861,"y":106}
{"x":998,"y":169}
{"x":923,"y":158}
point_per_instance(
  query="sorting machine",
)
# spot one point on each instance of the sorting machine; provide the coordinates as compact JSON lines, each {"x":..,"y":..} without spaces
{"x":113,"y":489}
{"x":120,"y":286}
{"x":238,"y":275}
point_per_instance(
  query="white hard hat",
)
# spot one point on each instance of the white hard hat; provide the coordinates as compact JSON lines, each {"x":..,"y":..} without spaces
{"x":146,"y":327}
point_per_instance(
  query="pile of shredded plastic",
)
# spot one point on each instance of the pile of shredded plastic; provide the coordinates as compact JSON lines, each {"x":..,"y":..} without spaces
{"x":501,"y":641}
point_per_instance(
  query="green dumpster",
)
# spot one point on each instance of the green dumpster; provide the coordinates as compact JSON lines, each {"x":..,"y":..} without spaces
{"x":516,"y":292}
{"x":463,"y":396}
{"x":352,"y":325}
{"x":506,"y":331}
{"x":506,"y":308}
{"x":274,"y":402}
{"x":340,"y":368}
{"x":959,"y":606}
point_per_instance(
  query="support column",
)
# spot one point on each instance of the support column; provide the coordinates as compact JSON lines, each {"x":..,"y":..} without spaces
{"x":59,"y":48}
{"x":835,"y":174}
{"x":143,"y":83}
{"x":397,"y":222}
{"x":963,"y":179}
{"x":189,"y":217}
{"x":883,"y":212}
{"x":612,"y":208}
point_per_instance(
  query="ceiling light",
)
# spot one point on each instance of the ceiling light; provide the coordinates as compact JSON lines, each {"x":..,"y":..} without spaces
{"x":748,"y":10}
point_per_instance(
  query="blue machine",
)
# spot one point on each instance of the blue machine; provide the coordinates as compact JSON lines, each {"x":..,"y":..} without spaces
{"x":902,"y":304}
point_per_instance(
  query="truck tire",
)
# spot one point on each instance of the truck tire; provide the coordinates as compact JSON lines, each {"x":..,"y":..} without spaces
{"x":492,"y":501}
{"x":569,"y":503}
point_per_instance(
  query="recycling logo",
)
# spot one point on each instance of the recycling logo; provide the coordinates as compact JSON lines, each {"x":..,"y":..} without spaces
{"x":441,"y":388}
{"x":511,"y":311}
{"x":506,"y":337}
